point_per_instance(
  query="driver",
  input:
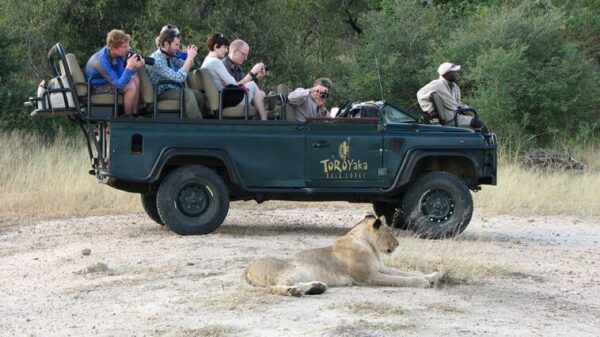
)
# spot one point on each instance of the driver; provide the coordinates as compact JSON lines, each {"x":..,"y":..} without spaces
{"x":447,"y":89}
{"x":310,"y":103}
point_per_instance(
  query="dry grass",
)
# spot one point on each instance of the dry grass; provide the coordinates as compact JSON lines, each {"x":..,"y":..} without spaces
{"x":41,"y":180}
{"x":241,"y":298}
{"x":523,"y":191}
{"x":362,"y":328}
{"x":213,"y":330}
{"x":368,"y":307}
{"x":461,"y":261}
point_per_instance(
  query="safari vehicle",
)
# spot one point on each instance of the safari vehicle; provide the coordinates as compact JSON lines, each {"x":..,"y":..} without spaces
{"x":188,"y":171}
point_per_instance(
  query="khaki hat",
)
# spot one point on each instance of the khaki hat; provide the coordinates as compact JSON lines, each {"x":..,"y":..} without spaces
{"x":447,"y":67}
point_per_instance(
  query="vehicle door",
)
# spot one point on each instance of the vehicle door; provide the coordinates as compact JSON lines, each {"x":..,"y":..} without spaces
{"x":344,"y":152}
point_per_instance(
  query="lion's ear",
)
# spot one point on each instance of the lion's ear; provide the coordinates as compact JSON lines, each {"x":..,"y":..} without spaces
{"x":377,"y":223}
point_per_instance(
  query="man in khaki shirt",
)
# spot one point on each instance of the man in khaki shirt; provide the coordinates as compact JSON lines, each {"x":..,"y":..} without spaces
{"x":449,"y":92}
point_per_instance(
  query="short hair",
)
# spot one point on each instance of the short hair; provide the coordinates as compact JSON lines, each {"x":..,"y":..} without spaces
{"x":237,"y":44}
{"x":216,"y":39}
{"x":167,"y":35}
{"x":324,"y":81}
{"x":116,"y":37}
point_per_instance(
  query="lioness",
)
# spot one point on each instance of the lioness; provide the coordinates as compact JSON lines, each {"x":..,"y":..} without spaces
{"x":353,"y":260}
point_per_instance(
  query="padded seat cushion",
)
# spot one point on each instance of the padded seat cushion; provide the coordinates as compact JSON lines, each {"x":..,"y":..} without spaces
{"x":168,"y":105}
{"x":105,"y":99}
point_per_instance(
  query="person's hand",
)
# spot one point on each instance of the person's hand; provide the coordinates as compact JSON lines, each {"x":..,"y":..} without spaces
{"x":135,"y":62}
{"x":192,"y":51}
{"x":258,"y":68}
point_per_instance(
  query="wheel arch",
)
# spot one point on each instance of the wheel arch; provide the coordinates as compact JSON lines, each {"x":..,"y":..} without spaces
{"x":418,"y":162}
{"x":171,"y":158}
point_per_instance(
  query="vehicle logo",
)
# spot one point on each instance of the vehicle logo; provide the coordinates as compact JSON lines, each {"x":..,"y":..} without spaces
{"x":344,"y":167}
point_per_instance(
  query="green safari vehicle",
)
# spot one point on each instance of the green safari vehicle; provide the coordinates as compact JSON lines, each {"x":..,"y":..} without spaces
{"x":187,"y":171}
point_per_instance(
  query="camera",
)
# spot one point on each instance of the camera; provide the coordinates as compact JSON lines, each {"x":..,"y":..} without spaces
{"x":324,"y":95}
{"x":267,"y":67}
{"x":149,"y":60}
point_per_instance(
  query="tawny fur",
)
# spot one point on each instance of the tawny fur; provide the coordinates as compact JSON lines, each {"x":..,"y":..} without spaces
{"x":354,"y":259}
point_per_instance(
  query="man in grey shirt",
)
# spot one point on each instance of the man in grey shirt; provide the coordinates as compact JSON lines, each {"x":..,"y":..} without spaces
{"x":310,"y":103}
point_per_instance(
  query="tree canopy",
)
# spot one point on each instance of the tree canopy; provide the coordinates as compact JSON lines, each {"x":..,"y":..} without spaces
{"x":529,"y":67}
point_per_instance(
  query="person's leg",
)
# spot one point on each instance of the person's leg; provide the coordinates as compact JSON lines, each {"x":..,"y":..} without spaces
{"x":136,"y":105}
{"x":259,"y":104}
{"x":257,"y":97}
{"x":199,"y":100}
{"x":191,"y":106}
{"x":131,"y":96}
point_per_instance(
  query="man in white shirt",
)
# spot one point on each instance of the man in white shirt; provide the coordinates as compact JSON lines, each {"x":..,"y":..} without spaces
{"x":213,"y":63}
{"x":447,"y":89}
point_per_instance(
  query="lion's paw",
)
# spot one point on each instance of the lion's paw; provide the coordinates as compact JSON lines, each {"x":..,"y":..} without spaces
{"x":295,"y":291}
{"x":316,"y":288}
{"x":434,"y":278}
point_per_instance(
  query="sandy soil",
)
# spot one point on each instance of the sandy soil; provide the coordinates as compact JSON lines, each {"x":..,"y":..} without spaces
{"x":139,"y":279}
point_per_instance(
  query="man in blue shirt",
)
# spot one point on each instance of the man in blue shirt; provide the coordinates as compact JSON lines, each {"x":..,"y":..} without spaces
{"x":117,"y":70}
{"x":168,"y":67}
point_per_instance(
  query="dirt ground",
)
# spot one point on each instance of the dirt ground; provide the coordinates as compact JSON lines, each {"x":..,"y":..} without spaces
{"x":127,"y":276}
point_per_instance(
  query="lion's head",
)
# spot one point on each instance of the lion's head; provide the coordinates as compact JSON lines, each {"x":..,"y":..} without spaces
{"x":381,"y":234}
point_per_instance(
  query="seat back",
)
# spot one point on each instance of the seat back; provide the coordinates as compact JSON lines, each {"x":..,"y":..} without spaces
{"x":146,"y":89}
{"x":284,"y":90}
{"x":194,"y":81}
{"x":210,"y":90}
{"x":76,"y":73}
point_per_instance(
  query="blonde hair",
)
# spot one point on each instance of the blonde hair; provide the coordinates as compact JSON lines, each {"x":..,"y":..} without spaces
{"x":116,"y":37}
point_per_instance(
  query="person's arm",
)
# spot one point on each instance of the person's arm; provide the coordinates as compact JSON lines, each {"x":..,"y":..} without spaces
{"x":298,"y":96}
{"x":112,"y":76}
{"x":221,"y":71}
{"x":161,"y":68}
{"x":192,"y":51}
{"x":256,"y":73}
{"x":424,"y":98}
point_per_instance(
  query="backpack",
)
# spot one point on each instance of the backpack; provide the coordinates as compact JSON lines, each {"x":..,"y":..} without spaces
{"x":61,"y":95}
{"x":42,"y":96}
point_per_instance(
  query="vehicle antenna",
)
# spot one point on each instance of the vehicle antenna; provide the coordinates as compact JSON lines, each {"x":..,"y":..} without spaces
{"x":379,"y":76}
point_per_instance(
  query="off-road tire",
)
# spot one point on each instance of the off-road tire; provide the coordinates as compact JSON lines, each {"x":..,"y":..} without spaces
{"x":149,"y":205}
{"x":437,"y":205}
{"x":192,"y":199}
{"x":393,"y":214}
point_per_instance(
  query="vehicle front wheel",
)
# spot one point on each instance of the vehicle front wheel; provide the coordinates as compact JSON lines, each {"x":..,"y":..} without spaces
{"x":193,"y":199}
{"x":149,"y":205}
{"x":393,"y":214}
{"x":437,"y":205}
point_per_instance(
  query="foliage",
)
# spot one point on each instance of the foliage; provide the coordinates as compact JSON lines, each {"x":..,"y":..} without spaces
{"x":529,"y":67}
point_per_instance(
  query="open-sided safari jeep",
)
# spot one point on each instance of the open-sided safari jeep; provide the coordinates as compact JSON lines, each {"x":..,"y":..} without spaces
{"x":188,"y":170}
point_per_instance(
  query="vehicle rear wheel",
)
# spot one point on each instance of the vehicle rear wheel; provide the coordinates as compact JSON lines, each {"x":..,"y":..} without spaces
{"x":438,"y":205}
{"x":393,"y":214}
{"x":149,"y":205}
{"x":193,"y":199}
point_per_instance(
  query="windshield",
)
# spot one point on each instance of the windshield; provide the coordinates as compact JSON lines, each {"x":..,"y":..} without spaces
{"x":394,"y":114}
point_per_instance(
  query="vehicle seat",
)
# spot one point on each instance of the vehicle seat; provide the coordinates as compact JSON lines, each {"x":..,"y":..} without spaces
{"x":81,"y":84}
{"x":284,"y":90}
{"x":164,"y":108}
{"x":450,"y":118}
{"x":212,"y":96}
